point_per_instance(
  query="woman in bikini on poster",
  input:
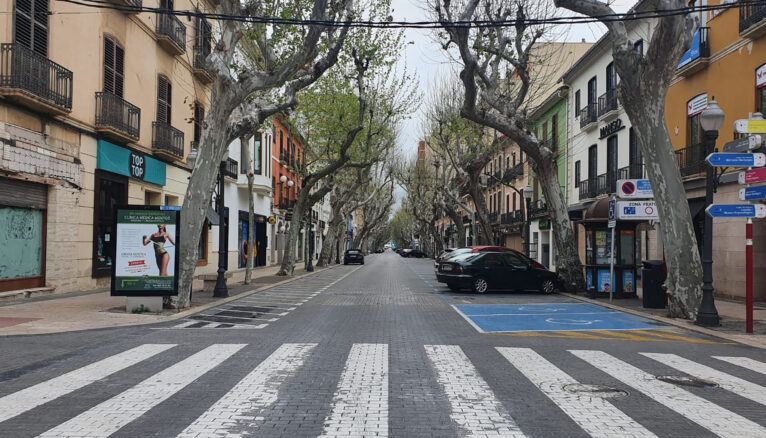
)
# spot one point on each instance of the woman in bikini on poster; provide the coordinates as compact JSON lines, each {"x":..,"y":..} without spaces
{"x":160,"y":253}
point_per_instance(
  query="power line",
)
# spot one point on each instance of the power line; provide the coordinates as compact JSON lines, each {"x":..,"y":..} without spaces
{"x":630,"y":16}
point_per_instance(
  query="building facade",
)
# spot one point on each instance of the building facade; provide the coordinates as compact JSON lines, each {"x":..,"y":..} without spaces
{"x":287,"y":157}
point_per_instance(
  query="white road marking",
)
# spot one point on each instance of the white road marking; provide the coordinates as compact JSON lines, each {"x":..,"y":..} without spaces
{"x":185,"y":324}
{"x":19,"y":402}
{"x":756,"y":393}
{"x":718,"y":420}
{"x":111,"y":415}
{"x":474,"y":406}
{"x":469,"y":320}
{"x":360,"y":403}
{"x":594,"y":415}
{"x":744,"y":362}
{"x":240,"y":407}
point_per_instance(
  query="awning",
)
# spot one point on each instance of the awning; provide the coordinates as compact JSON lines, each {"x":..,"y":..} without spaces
{"x":212,"y":216}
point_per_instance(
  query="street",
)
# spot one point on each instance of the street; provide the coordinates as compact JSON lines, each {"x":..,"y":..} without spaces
{"x":382,"y":349}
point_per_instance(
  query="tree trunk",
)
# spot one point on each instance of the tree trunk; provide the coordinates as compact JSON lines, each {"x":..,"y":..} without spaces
{"x":250,"y":212}
{"x":327,"y":248}
{"x":568,"y":266}
{"x":457,"y":218}
{"x":482,"y":212}
{"x":288,"y":259}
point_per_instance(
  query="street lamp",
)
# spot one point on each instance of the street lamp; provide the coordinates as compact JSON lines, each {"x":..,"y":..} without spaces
{"x":221,"y":291}
{"x":711,"y":120}
{"x":527,"y":199}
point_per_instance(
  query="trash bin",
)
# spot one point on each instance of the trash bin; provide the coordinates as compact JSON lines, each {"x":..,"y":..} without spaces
{"x":653,"y":276}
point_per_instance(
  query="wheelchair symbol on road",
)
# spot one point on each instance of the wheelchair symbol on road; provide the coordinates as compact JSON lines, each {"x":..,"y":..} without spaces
{"x":572,"y":321}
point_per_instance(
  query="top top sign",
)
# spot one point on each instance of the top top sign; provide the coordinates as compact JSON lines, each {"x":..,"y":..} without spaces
{"x":634,"y":189}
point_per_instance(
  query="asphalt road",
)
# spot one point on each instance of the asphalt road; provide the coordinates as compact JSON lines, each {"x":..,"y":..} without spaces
{"x":384,"y":350}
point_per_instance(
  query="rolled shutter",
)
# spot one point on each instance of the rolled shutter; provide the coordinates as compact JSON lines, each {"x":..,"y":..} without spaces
{"x":24,"y":194}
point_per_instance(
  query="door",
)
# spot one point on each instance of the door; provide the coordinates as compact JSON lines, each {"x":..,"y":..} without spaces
{"x":495,"y":271}
{"x":110,"y":191}
{"x":592,"y":170}
{"x":518,"y":271}
{"x":611,"y":164}
{"x":260,"y":244}
{"x":636,"y":161}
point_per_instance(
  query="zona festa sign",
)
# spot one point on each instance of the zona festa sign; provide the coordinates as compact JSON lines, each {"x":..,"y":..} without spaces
{"x":145,"y":256}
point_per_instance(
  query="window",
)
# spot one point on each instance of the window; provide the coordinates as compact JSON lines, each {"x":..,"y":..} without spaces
{"x":164,"y":93}
{"x":592,"y":84}
{"x":555,"y":132}
{"x":577,"y":103}
{"x":634,"y":157}
{"x":507,"y":162}
{"x":611,"y":163}
{"x":515,"y":206}
{"x":694,"y":135}
{"x":114,"y":63}
{"x":31,"y":25}
{"x":281,"y":144}
{"x":545,"y":130}
{"x":577,"y":174}
{"x":507,"y":203}
{"x":243,"y":145}
{"x":257,"y":154}
{"x":199,"y":118}
{"x":514,"y":260}
{"x":761,"y":100}
{"x":203,"y":36}
{"x":611,"y":77}
{"x":638,"y":46}
{"x":202,"y":246}
{"x":592,"y":162}
{"x":166,"y":4}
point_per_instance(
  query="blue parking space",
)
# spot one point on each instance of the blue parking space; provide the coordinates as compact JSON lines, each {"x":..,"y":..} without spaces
{"x":494,"y":318}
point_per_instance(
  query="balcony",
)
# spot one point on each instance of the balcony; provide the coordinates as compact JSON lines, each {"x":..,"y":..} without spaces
{"x":588,"y":116}
{"x":284,"y":157}
{"x":538,"y":209}
{"x":606,"y":183}
{"x":511,"y":218}
{"x":608,"y":104}
{"x":513,"y":173}
{"x":130,"y":3}
{"x":34,"y":80}
{"x":171,"y":33}
{"x":698,"y":55}
{"x":199,"y":69}
{"x":229,"y":167}
{"x":751,"y":19}
{"x":691,"y":160}
{"x":117,"y":118}
{"x":167,"y":141}
{"x":493,"y":218}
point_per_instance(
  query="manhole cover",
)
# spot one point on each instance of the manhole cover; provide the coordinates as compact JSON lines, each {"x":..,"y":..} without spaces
{"x":595,"y":390}
{"x":687,"y":381}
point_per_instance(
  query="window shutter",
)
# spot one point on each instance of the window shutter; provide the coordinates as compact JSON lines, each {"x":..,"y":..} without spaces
{"x":23,"y":30}
{"x":31,"y":25}
{"x":40,"y":32}
{"x":119,"y":70}
{"x":109,"y":65}
{"x":163,"y":100}
{"x":199,"y":117}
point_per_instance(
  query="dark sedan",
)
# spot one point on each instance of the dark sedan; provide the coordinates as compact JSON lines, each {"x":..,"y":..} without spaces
{"x":507,"y":270}
{"x":353,"y":256}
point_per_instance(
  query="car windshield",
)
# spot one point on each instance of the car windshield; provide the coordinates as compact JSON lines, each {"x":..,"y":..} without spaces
{"x":456,"y":253}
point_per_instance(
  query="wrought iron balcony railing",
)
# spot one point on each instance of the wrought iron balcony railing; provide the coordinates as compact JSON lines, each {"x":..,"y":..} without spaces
{"x":588,"y":115}
{"x":537,"y":209}
{"x":200,"y":68}
{"x":750,"y":13}
{"x":113,"y":112}
{"x":606,"y":183}
{"x":608,"y":102}
{"x":167,"y":139}
{"x":229,"y":167}
{"x":691,"y":160}
{"x":493,"y":218}
{"x":170,"y":26}
{"x":286,"y":204}
{"x":25,"y":72}
{"x":512,"y":217}
{"x":514,"y":172}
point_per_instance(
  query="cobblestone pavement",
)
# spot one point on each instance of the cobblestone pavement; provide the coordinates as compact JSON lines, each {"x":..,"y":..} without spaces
{"x":377,"y":350}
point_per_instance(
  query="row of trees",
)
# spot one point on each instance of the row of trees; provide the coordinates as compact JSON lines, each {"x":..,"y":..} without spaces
{"x":497,"y":88}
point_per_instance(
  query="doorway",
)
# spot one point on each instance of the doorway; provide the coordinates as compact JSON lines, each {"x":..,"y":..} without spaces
{"x":110,"y":191}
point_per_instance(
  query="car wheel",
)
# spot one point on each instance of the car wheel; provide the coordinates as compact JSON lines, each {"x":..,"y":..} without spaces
{"x":547,"y":286}
{"x":480,"y":285}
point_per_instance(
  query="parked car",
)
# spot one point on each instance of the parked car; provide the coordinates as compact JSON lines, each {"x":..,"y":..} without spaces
{"x":497,"y":270}
{"x":405,"y":252}
{"x":353,"y":256}
{"x":416,"y":253}
{"x":442,"y":255}
{"x":476,"y":249}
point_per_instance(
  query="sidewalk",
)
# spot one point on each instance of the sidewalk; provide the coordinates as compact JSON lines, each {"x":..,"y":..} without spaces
{"x":732,"y":314}
{"x":98,"y":309}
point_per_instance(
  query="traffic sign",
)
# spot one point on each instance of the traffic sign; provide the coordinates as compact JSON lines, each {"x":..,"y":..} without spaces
{"x":634,"y":189}
{"x":612,"y":222}
{"x":736,"y":210}
{"x":752,"y":176}
{"x":752,"y":193}
{"x":745,"y":126}
{"x":743,"y":144}
{"x":723,"y":159}
{"x":637,"y":210}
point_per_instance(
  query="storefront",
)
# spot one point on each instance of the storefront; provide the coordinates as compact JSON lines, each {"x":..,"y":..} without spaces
{"x":116,"y":167}
{"x":23,"y":207}
{"x":259,"y":238}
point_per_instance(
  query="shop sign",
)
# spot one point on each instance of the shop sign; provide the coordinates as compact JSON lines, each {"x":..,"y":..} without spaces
{"x":145,"y":256}
{"x":693,"y":52}
{"x":760,"y":76}
{"x":133,"y":164}
{"x":544,"y":224}
{"x":611,"y":128}
{"x":637,"y":211}
{"x":634,"y":188}
{"x":696,"y":105}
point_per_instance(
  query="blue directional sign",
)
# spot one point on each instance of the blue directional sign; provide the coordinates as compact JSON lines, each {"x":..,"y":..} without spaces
{"x":723,"y":159}
{"x":752,"y":193}
{"x":737,"y":210}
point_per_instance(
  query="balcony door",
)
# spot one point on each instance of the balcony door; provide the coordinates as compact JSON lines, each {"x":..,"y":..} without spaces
{"x":31,"y":25}
{"x":592,"y":170}
{"x":635,"y":158}
{"x":164,"y":94}
{"x":592,"y":90}
{"x":611,"y":164}
{"x":611,"y":77}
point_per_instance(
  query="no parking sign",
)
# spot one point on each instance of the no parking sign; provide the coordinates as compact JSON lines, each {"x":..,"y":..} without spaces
{"x":634,"y":189}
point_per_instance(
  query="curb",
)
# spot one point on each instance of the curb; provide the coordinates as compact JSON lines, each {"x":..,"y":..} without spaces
{"x":741,"y":339}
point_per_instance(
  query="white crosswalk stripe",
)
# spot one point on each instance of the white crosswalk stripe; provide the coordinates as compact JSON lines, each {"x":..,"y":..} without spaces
{"x":360,"y":403}
{"x":739,"y":386}
{"x":29,"y":398}
{"x":718,"y":420}
{"x":111,"y":415}
{"x":474,"y":406}
{"x":596,"y":416}
{"x":240,"y":407}
{"x":744,"y":362}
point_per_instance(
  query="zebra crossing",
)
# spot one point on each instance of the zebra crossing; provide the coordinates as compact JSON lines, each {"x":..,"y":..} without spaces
{"x":359,"y":407}
{"x":259,"y":310}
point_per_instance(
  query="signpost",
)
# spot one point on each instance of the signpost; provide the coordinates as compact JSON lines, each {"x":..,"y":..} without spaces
{"x":752,"y":193}
{"x":744,"y":144}
{"x":611,"y":224}
{"x":737,"y":210}
{"x":724,"y":159}
{"x":637,"y":211}
{"x":745,"y":126}
{"x":752,"y":176}
{"x":634,"y":189}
